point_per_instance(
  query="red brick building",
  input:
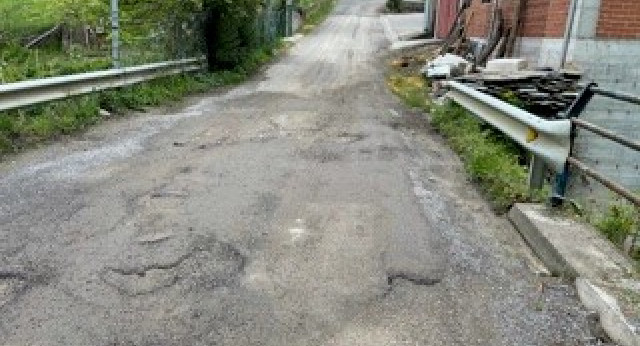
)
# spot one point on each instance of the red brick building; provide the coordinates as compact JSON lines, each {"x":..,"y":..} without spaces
{"x":603,"y":41}
{"x":612,"y":19}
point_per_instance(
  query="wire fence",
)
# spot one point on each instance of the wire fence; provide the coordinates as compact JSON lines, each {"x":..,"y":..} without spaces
{"x":43,"y":38}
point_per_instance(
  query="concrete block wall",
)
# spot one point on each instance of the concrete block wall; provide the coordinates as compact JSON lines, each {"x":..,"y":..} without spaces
{"x":605,"y":44}
{"x":613,"y":64}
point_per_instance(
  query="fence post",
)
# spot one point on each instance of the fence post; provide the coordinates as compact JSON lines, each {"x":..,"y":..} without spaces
{"x":536,"y":173}
{"x":289,"y":18}
{"x":115,"y":34}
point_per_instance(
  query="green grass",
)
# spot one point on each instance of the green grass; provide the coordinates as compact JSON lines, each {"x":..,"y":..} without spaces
{"x":316,"y":12}
{"x":618,"y":222}
{"x":26,"y":127}
{"x":492,"y":160}
{"x":18,"y":64}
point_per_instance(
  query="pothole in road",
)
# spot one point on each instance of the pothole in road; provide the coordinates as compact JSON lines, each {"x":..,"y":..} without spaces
{"x":297,"y":121}
{"x":413,"y":278}
{"x":349,"y":138}
{"x":320,"y":154}
{"x":210,"y":265}
{"x":14,"y":282}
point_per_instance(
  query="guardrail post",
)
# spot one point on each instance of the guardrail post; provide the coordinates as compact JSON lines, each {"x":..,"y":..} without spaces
{"x":536,"y":173}
{"x":562,"y":178}
{"x":560,"y":187}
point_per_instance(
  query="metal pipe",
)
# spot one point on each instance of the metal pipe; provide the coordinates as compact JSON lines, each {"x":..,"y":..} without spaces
{"x":613,"y":186}
{"x":606,"y":133}
{"x":428,"y":18}
{"x":617,"y":95}
{"x":567,"y":32}
{"x":115,"y":34}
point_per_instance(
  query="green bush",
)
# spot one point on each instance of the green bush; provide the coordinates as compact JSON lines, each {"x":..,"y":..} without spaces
{"x":230,"y":31}
{"x":394,"y":5}
{"x":618,"y":222}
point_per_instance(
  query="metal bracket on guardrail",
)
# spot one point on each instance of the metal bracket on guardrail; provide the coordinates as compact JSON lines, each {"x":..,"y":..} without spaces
{"x":31,"y":92}
{"x":548,"y":140}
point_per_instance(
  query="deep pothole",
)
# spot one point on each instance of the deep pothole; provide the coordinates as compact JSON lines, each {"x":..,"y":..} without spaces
{"x":207,"y":266}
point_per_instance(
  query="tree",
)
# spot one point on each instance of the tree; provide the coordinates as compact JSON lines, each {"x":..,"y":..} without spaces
{"x":230,"y":31}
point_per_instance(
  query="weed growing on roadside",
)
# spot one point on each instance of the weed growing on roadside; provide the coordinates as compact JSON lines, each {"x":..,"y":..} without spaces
{"x":315,"y":12}
{"x":619,"y":222}
{"x":491,"y":161}
{"x":412,"y":89}
{"x":27,"y":126}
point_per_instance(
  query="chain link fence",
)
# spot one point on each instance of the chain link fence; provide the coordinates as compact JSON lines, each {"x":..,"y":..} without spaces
{"x":44,"y":38}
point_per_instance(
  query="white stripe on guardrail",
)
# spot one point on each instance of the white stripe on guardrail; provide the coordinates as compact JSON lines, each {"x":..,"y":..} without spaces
{"x":547,"y":139}
{"x":21,"y":94}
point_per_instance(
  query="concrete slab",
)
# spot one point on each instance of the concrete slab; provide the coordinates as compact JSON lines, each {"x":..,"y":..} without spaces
{"x":402,"y":25}
{"x":612,"y":317}
{"x":605,"y":279}
{"x":506,"y":65}
{"x":569,"y":247}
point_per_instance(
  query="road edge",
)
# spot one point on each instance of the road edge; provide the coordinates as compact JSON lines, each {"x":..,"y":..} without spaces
{"x":575,"y":250}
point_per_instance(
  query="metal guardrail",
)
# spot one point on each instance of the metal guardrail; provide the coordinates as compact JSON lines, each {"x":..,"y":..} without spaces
{"x":549,"y":140}
{"x":546,"y":139}
{"x":573,"y":114}
{"x":21,"y":94}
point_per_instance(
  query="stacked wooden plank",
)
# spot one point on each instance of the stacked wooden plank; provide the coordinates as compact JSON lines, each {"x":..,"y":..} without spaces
{"x":547,"y":94}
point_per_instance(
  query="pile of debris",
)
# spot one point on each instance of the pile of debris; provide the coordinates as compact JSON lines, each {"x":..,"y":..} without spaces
{"x":545,"y":92}
{"x":500,"y":40}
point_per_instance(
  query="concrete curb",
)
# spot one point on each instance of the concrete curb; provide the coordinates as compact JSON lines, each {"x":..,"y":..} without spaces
{"x":569,"y":248}
{"x":612,"y":319}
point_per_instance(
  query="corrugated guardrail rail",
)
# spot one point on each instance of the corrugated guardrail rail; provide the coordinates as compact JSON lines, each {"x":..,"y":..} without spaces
{"x":548,"y":140}
{"x":31,"y":92}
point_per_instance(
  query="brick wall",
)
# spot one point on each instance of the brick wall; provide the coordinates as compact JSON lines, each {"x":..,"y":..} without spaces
{"x":541,"y":18}
{"x":478,"y":17}
{"x":619,"y":19}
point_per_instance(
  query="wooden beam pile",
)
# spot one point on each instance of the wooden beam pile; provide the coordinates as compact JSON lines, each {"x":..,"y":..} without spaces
{"x":500,"y":40}
{"x":545,"y":93}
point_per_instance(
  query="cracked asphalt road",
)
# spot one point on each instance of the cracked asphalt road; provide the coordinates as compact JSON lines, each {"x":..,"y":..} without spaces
{"x":305,"y":208}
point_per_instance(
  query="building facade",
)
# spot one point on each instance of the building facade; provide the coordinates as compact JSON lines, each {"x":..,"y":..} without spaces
{"x":600,"y":38}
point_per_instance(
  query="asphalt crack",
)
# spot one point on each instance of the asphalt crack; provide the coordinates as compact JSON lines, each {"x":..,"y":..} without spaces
{"x":412,"y":278}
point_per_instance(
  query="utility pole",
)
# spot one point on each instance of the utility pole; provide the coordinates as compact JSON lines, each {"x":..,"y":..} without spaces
{"x":115,"y":34}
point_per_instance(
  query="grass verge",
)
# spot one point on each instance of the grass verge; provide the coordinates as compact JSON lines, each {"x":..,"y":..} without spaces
{"x":494,"y":161}
{"x":489,"y":158}
{"x":26,"y":127}
{"x":620,"y":223}
{"x":316,"y":11}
